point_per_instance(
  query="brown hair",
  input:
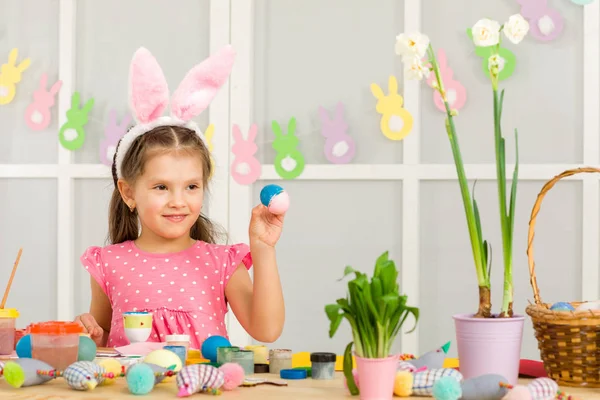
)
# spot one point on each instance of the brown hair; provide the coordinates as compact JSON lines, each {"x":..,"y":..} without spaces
{"x":123,"y":223}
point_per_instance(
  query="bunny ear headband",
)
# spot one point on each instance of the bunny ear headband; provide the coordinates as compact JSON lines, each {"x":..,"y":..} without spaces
{"x":149,"y":95}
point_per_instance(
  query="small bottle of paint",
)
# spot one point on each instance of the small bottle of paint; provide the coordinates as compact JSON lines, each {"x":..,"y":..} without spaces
{"x":224,"y":354}
{"x":323,"y":365}
{"x":245,"y":358}
{"x":279,"y":359}
{"x":181,"y":352}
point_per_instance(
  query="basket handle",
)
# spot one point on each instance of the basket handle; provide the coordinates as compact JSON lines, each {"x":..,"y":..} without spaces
{"x":534,"y":213}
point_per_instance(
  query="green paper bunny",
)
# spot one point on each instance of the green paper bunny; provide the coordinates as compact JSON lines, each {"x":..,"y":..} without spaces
{"x":510,"y":60}
{"x":289,"y":162}
{"x":71,"y":134}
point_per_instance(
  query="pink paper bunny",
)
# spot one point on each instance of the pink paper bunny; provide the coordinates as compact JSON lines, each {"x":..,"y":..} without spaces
{"x":37,"y":114}
{"x":545,"y":23}
{"x":112,"y":133}
{"x":245,"y":169}
{"x":456,"y":94}
{"x":340,"y":148}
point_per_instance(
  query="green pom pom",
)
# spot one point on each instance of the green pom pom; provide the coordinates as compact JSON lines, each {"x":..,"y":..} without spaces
{"x":447,"y":388}
{"x":14,"y":374}
{"x":140,"y":379}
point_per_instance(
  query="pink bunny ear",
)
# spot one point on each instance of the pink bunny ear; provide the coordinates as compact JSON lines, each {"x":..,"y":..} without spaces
{"x":237,"y":133}
{"x":201,"y":84}
{"x":252,"y":132}
{"x":148,"y":89}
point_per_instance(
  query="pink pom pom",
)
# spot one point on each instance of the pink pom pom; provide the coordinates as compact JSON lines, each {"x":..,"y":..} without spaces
{"x":280,"y":203}
{"x":519,"y":392}
{"x":355,"y":375}
{"x":234,"y":375}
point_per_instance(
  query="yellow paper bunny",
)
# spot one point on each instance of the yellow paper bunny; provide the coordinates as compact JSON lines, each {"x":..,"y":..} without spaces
{"x":396,"y":122}
{"x":10,"y":75}
{"x":208,"y":135}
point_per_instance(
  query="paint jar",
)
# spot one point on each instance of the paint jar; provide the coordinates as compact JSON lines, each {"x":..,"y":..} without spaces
{"x":179,"y":340}
{"x":245,"y":358}
{"x":8,"y":318}
{"x":261,"y":353}
{"x":224,"y":353}
{"x":180,"y":351}
{"x":55,"y":342}
{"x":279,"y":359}
{"x":322,"y":365}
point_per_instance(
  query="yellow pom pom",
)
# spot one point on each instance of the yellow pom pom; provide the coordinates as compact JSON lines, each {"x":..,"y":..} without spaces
{"x":110,"y":365}
{"x":403,"y":384}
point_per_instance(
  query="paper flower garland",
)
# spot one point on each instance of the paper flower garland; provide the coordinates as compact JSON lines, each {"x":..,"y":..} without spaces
{"x":245,"y":169}
{"x":507,"y":64}
{"x":545,"y":23}
{"x":456,"y":93}
{"x":72,"y":134}
{"x":10,"y":75}
{"x":339,"y":146}
{"x":113,"y":132}
{"x":289,"y":162}
{"x":37,"y":114}
{"x":396,"y":121}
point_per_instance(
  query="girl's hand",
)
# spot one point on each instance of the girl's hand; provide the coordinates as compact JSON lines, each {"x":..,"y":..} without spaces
{"x":265,"y":227}
{"x":90,"y":326}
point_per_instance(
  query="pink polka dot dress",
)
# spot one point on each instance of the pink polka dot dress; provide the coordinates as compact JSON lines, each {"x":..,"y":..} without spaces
{"x":185,"y":291}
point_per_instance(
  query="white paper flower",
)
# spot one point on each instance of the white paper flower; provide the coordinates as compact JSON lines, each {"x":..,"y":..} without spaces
{"x":516,"y":28}
{"x":496,"y":61}
{"x":409,"y":45}
{"x":486,"y":32}
{"x":414,"y":69}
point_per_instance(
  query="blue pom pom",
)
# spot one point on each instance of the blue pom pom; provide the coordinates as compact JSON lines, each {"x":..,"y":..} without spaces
{"x":23,"y":347}
{"x":562,"y":306}
{"x":209,"y":347}
{"x":268,"y":192}
{"x":140,"y":378}
{"x":447,"y":388}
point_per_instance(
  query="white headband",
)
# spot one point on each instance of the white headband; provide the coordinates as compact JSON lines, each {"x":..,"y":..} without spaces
{"x":149,"y":95}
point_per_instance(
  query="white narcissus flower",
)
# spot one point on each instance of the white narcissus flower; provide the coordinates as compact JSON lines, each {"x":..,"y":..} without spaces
{"x":486,"y":32}
{"x":516,"y":28}
{"x":415,"y":69}
{"x":409,"y":45}
{"x":496,"y":61}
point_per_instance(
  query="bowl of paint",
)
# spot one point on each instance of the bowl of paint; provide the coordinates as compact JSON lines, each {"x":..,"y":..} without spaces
{"x":138,"y":325}
{"x":55,"y":342}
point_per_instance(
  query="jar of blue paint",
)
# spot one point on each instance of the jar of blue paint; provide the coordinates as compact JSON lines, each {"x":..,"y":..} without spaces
{"x":322,"y":365}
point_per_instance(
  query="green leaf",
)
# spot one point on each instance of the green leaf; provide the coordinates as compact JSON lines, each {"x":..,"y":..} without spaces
{"x":513,"y":188}
{"x":335,"y":317}
{"x":501,"y":104}
{"x":348,"y":370}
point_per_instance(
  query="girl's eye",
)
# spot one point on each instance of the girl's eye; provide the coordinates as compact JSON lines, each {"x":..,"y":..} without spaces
{"x":193,"y":187}
{"x":160,"y":187}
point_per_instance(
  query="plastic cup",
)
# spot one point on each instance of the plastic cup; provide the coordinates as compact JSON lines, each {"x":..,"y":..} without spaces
{"x":138,"y":325}
{"x":8,"y":318}
{"x":55,"y":342}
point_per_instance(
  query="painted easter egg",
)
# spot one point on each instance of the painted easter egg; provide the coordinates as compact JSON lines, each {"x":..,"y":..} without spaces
{"x":562,"y":306}
{"x":275,"y":199}
{"x":209,"y":347}
{"x":87,"y":349}
{"x":23,"y":347}
{"x":164,"y":358}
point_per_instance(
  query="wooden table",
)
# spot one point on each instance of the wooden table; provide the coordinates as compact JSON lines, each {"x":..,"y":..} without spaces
{"x":296,"y":390}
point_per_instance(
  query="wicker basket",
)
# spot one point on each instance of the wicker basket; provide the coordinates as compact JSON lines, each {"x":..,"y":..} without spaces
{"x":569,"y":341}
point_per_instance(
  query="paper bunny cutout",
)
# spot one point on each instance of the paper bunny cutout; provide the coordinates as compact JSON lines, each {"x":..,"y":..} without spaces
{"x":72,"y":133}
{"x":10,"y":75}
{"x":456,"y":94}
{"x":545,"y":23}
{"x":37,"y":114}
{"x":289,"y":162}
{"x":245,"y":169}
{"x":396,"y":122}
{"x":340,"y":148}
{"x":507,"y":67}
{"x":149,"y":94}
{"x":113,"y":132}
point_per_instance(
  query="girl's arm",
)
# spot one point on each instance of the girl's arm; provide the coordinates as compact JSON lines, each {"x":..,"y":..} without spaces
{"x":259,"y":307}
{"x":97,"y":322}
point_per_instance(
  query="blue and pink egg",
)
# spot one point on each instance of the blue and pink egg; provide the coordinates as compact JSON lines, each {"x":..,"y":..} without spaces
{"x":275,"y":199}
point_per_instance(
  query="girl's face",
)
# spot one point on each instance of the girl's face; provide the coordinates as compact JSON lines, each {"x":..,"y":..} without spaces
{"x":169,"y":195}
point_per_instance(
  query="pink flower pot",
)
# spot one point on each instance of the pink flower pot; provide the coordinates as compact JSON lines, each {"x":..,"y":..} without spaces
{"x":376,"y":377}
{"x":489,"y":345}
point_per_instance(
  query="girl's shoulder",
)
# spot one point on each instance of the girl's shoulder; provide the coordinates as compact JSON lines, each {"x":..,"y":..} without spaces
{"x":98,"y":252}
{"x":226,"y":254}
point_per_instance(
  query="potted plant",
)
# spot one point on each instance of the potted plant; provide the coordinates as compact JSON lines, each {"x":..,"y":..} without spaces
{"x":500,"y":351}
{"x":376,"y":311}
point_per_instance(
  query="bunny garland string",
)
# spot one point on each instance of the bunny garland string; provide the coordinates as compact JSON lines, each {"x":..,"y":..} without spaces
{"x":456,"y":94}
{"x":37,"y":114}
{"x":289,"y":162}
{"x":508,"y":59}
{"x":245,"y":169}
{"x":10,"y":75}
{"x":113,"y":132}
{"x":545,"y":23}
{"x":340,"y":148}
{"x":396,"y":122}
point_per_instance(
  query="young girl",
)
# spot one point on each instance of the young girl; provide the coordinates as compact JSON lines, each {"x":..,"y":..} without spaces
{"x":163,"y":256}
